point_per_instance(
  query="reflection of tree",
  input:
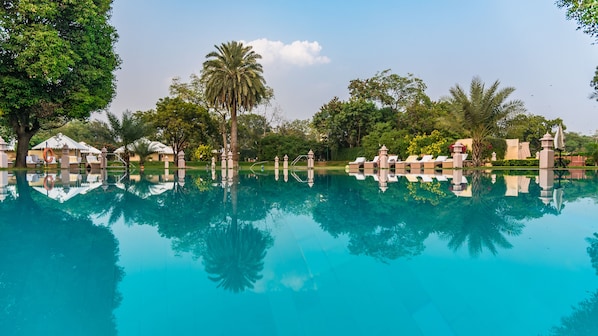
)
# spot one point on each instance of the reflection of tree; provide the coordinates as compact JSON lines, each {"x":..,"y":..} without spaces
{"x":235,"y":255}
{"x":593,"y":250}
{"x":480,"y":221}
{"x":584,"y":319}
{"x":59,"y":273}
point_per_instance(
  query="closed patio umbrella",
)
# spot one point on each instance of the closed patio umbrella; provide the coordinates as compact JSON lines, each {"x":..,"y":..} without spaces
{"x":559,"y":145}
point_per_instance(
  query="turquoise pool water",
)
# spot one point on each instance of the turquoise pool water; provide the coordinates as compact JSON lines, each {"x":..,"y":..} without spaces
{"x":328,"y":254}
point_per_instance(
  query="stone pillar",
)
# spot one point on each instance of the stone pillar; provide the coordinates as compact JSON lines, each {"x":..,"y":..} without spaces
{"x":213,"y":163}
{"x":3,"y":156}
{"x":383,"y":158}
{"x":230,"y":160}
{"x":181,"y":176}
{"x":310,"y":159}
{"x":276,"y":164}
{"x":310,"y":177}
{"x":166,"y":162}
{"x":383,"y":180}
{"x":104,"y":158}
{"x":493,"y":156}
{"x":3,"y":184}
{"x":546,"y":182}
{"x":65,"y":159}
{"x":181,"y":160}
{"x":457,"y":157}
{"x":457,"y":180}
{"x":547,"y":153}
{"x":223,"y":159}
{"x":285,"y":162}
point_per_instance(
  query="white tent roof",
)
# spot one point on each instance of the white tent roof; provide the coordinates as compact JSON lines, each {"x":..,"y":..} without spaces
{"x":89,"y":149}
{"x":155,"y":145}
{"x":58,"y":141}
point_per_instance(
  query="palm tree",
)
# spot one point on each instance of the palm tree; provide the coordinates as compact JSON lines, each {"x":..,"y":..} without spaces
{"x":143,"y":148}
{"x":234,"y":82}
{"x":482,"y":111}
{"x":126,"y":131}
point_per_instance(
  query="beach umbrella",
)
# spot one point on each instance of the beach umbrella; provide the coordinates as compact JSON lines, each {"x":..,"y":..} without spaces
{"x":559,"y":139}
{"x":558,"y":199}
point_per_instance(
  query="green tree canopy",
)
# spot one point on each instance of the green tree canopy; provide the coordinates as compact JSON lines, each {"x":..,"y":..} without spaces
{"x":56,"y":64}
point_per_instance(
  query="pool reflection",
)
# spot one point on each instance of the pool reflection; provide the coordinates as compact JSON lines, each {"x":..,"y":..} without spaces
{"x":220,"y":222}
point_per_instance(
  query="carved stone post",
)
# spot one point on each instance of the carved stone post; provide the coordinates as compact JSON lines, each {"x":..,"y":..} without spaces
{"x":457,"y":157}
{"x":65,"y":160}
{"x":104,"y":158}
{"x":547,"y":153}
{"x":181,"y":160}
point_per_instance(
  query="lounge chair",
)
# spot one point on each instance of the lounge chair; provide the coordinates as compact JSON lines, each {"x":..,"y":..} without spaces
{"x":392,"y":160}
{"x":74,"y":162}
{"x":357,"y":164}
{"x":33,"y":161}
{"x":448,"y":163}
{"x":436,"y":163}
{"x":404,"y":164}
{"x":418,"y":165}
{"x":92,"y":162}
{"x":371,"y":164}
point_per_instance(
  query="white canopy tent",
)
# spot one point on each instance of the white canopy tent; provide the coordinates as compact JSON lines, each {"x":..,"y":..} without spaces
{"x":158,"y":147}
{"x":58,"y":141}
{"x":90,"y":149}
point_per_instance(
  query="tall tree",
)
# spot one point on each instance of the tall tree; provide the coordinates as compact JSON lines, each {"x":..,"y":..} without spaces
{"x":389,"y":90}
{"x":482,"y":111}
{"x":234,"y":81}
{"x":56,"y":64}
{"x":180,"y":122}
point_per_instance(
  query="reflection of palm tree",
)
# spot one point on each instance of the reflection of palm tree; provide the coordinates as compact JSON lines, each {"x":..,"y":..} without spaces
{"x":235,"y":255}
{"x":481,"y":222}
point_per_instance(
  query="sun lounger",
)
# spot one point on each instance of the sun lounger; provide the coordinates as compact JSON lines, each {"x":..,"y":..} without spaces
{"x":92,"y":162}
{"x":448,"y":163}
{"x":33,"y":161}
{"x":418,"y":165}
{"x":436,"y":163}
{"x":392,"y":160}
{"x":357,"y":164}
{"x":371,"y":164}
{"x":406,"y":163}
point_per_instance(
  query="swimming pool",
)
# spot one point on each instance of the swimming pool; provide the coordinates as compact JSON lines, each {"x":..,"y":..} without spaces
{"x":294,"y":254}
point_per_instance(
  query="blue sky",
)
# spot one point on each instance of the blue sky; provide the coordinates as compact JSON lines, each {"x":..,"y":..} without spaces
{"x":312,"y":49}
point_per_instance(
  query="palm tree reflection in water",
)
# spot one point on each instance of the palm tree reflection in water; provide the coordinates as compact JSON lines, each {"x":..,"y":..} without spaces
{"x":235,"y":255}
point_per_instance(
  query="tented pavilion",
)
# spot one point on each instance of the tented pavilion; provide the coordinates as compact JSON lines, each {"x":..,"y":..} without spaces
{"x":56,"y":143}
{"x":161,"y":151}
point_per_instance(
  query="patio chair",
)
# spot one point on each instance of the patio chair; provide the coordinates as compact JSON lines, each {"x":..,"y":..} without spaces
{"x":357,"y":164}
{"x":33,"y":161}
{"x":436,"y":163}
{"x":392,"y":161}
{"x":92,"y":162}
{"x":371,"y":164}
{"x":419,"y":164}
{"x":404,"y":164}
{"x":448,"y":163}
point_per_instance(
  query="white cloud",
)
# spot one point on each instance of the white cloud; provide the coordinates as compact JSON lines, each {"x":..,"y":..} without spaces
{"x":301,"y":53}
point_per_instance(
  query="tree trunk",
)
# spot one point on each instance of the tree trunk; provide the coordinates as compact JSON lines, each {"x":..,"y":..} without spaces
{"x":233,"y":137}
{"x":476,"y":151}
{"x":23,"y":138}
{"x":223,"y":132}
